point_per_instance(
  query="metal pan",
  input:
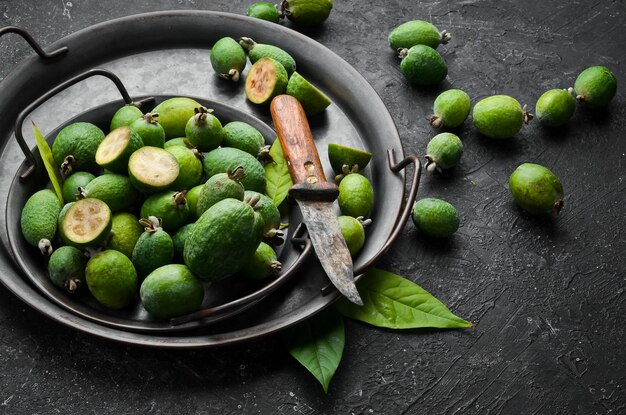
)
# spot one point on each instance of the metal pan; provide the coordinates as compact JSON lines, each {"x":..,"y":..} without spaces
{"x":357,"y":118}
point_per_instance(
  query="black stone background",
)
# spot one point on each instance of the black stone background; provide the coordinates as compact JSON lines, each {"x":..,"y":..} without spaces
{"x":547,"y":297}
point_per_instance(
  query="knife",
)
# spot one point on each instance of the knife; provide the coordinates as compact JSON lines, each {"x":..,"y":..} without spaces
{"x":314,"y":194}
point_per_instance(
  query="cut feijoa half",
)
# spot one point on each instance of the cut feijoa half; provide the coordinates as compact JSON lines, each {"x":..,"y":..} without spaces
{"x":86,"y":222}
{"x":152,"y":169}
{"x":115,"y":150}
{"x":266,"y":79}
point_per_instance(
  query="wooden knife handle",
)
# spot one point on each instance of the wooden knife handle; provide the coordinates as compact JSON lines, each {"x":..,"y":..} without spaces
{"x":300,"y":152}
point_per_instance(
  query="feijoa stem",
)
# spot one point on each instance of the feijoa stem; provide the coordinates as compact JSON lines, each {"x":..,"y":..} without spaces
{"x":180,"y":199}
{"x":275,"y":267}
{"x":264,"y":154}
{"x":45,"y":247}
{"x":558,"y":205}
{"x":445,"y":37}
{"x":201,"y":113}
{"x":72,"y":285}
{"x":233,"y":75}
{"x":402,"y":52}
{"x":253,"y":200}
{"x":283,"y":9}
{"x":238,"y":174}
{"x":364,"y":222}
{"x":66,"y":166}
{"x":431,"y":166}
{"x":151,"y":117}
{"x":247,"y":43}
{"x":151,"y":224}
{"x":527,"y":115}
{"x":436,"y":121}
{"x":274,"y":237}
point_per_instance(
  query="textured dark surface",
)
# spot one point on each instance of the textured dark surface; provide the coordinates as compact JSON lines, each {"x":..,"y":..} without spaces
{"x":546,"y":296}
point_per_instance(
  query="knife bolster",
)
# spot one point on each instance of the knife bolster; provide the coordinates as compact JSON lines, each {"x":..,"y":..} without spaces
{"x":320,"y":191}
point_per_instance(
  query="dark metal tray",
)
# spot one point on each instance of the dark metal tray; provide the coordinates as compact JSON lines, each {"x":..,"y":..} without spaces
{"x":174,"y":61}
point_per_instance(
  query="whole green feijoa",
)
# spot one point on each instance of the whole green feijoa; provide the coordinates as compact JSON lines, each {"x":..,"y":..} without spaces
{"x":153,"y":249}
{"x":115,"y":190}
{"x":443,"y":152}
{"x":595,"y":87}
{"x":450,"y":109}
{"x":192,"y":200}
{"x":75,"y":146}
{"x":174,"y":114}
{"x":536,"y":189}
{"x":257,"y":51}
{"x":499,"y":116}
{"x":435,"y":217}
{"x":263,"y":263}
{"x":228,"y":58}
{"x":178,"y":239}
{"x":422,"y":65}
{"x":356,"y":196}
{"x":417,"y":32}
{"x":268,"y":211}
{"x":219,"y":187}
{"x":73,"y":182}
{"x":223,"y":158}
{"x":112,"y":279}
{"x":555,"y":107}
{"x":171,"y":291}
{"x":190,"y":165}
{"x":67,"y":268}
{"x":170,"y":207}
{"x":264,"y":10}
{"x":306,"y":12}
{"x":148,"y":128}
{"x":125,"y":231}
{"x":125,"y":116}
{"x":243,"y":136}
{"x":39,"y":216}
{"x":353,"y":231}
{"x":204,"y":130}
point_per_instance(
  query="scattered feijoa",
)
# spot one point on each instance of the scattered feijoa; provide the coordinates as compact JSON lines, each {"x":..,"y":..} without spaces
{"x":356,"y":195}
{"x":306,"y":12}
{"x":74,"y":148}
{"x":257,"y":51}
{"x":153,"y":249}
{"x":115,"y":150}
{"x":243,"y":136}
{"x":353,"y":231}
{"x":499,"y":116}
{"x":112,"y":279}
{"x":73,"y":182}
{"x":125,"y":116}
{"x":152,"y":169}
{"x":204,"y":130}
{"x":264,"y":10}
{"x":536,"y":189}
{"x":340,"y":156}
{"x":228,"y":58}
{"x":417,"y":32}
{"x":263,"y":263}
{"x":39,"y":216}
{"x":443,"y":152}
{"x":174,"y":114}
{"x":595,"y":87}
{"x":266,"y":79}
{"x":149,"y":129}
{"x":125,"y":231}
{"x":171,"y":291}
{"x":435,"y":217}
{"x":86,"y":223}
{"x":312,"y":99}
{"x":223,"y":158}
{"x":115,"y":190}
{"x":219,"y":187}
{"x":190,"y":166}
{"x":555,"y":107}
{"x":422,"y":65}
{"x":450,"y":109}
{"x":67,"y":268}
{"x":170,"y":207}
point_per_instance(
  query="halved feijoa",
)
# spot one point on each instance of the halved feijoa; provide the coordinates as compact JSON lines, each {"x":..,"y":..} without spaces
{"x":340,"y":156}
{"x":266,"y":79}
{"x":115,"y":150}
{"x":312,"y":99}
{"x":86,"y":222}
{"x":152,"y":169}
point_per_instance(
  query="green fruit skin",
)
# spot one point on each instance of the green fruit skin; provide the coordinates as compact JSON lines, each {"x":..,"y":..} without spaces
{"x":191,"y":167}
{"x":445,"y":150}
{"x":223,"y":240}
{"x":260,"y":265}
{"x":81,"y":140}
{"x":536,"y":189}
{"x":353,"y":233}
{"x":115,"y":190}
{"x":178,"y":141}
{"x":163,"y":206}
{"x":174,"y":114}
{"x":338,"y":157}
{"x":238,"y":134}
{"x":93,"y":243}
{"x":555,"y":107}
{"x":112,"y":279}
{"x":435,"y":217}
{"x":312,"y":99}
{"x":264,"y":10}
{"x":151,"y":134}
{"x":179,"y":239}
{"x":309,"y":12}
{"x":67,"y":263}
{"x":205,"y":134}
{"x":267,"y":209}
{"x":423,"y":66}
{"x":125,"y":231}
{"x":224,"y":158}
{"x":452,"y":106}
{"x":120,"y":164}
{"x":73,"y":182}
{"x":125,"y":116}
{"x":39,"y":216}
{"x":192,"y":201}
{"x":498,"y":116}
{"x":356,"y":196}
{"x":280,"y":77}
{"x":261,"y":50}
{"x":152,"y":250}
{"x":171,"y":291}
{"x":227,"y":54}
{"x":217,"y":188}
{"x":414,"y":32}
{"x":596,"y":86}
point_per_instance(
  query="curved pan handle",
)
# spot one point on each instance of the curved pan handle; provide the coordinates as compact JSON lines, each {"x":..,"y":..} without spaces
{"x":33,"y":44}
{"x":20,"y":119}
{"x":402,"y":218}
{"x":298,"y":239}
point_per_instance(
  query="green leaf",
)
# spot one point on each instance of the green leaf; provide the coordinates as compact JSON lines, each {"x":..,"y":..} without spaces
{"x":48,"y":161}
{"x":277,"y":175}
{"x":394,"y":302}
{"x":318,"y":343}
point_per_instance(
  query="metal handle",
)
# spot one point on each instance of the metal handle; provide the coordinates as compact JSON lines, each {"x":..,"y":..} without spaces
{"x":401,"y":220}
{"x":33,"y":44}
{"x":20,"y":119}
{"x":298,"y":239}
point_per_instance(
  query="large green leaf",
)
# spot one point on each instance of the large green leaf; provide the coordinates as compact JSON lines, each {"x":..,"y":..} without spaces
{"x":48,"y":161}
{"x":395,"y":302}
{"x":318,"y":343}
{"x":277,"y":175}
